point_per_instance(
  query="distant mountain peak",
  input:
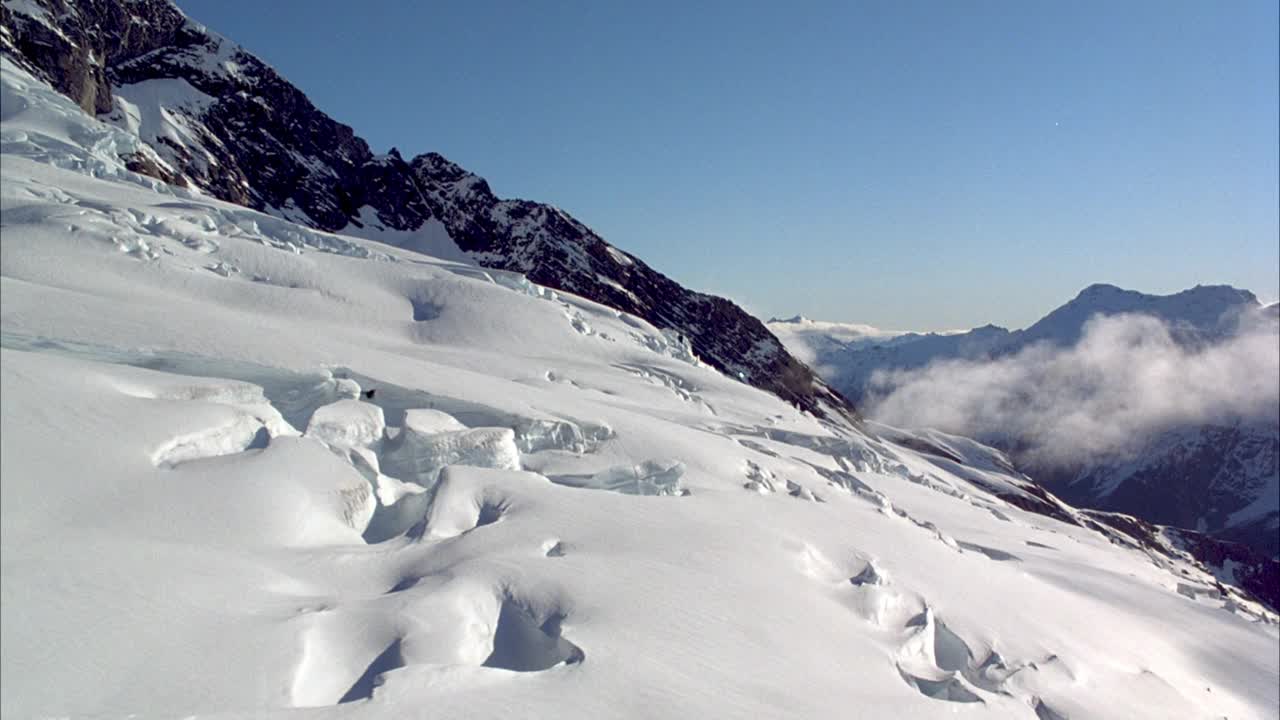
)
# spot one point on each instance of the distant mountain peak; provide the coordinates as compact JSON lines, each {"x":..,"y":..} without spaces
{"x":1204,"y":311}
{"x":990,"y":328}
{"x":1225,"y":295}
{"x":1101,"y":288}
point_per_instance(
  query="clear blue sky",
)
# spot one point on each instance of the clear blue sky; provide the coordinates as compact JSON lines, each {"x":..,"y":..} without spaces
{"x":918,"y":164}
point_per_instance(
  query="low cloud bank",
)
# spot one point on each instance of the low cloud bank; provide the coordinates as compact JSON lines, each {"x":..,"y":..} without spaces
{"x":1125,"y":380}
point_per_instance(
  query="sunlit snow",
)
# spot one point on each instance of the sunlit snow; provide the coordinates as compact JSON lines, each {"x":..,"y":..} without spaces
{"x":547,"y":509}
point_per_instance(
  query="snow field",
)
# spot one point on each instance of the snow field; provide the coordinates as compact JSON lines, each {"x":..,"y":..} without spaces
{"x":548,"y":509}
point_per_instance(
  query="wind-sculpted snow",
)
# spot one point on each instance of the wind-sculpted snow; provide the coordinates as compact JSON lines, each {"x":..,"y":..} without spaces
{"x":239,"y":433}
{"x":39,"y":124}
{"x":651,"y":477}
{"x":288,"y":491}
{"x":348,"y":423}
{"x":525,"y":643}
{"x":469,"y":592}
{"x":421,"y":456}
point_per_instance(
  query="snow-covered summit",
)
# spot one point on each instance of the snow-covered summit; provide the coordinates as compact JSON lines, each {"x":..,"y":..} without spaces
{"x":1202,"y":312}
{"x":848,"y":354}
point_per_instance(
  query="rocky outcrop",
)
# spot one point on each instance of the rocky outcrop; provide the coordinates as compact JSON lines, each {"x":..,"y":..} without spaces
{"x":1232,"y":563}
{"x":553,"y":249}
{"x":223,"y":121}
{"x":71,"y":43}
{"x":1213,"y":478}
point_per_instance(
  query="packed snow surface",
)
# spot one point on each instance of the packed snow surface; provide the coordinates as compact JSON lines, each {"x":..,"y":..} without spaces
{"x":203,"y":515}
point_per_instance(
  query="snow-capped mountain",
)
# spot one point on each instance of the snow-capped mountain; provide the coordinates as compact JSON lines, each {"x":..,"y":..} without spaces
{"x":1201,"y":314}
{"x":848,"y":355}
{"x":214,"y":117}
{"x":1215,"y":475}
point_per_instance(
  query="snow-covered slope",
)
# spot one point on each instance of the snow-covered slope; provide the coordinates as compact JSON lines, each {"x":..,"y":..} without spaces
{"x":547,"y":508}
{"x":215,"y":118}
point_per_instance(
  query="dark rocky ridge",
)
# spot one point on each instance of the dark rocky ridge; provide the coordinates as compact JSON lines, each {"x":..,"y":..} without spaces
{"x":80,"y":40}
{"x":1191,"y":477}
{"x":1234,"y":568}
{"x":1234,"y":563}
{"x":256,"y":140}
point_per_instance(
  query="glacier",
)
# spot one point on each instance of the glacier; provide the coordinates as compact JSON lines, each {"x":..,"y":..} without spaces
{"x":190,"y":477}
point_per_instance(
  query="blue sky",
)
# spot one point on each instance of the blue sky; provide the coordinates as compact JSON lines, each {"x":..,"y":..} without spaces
{"x":921,"y":165}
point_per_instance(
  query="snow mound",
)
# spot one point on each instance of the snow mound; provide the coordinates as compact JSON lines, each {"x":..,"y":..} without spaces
{"x":527,"y":642}
{"x":240,"y":432}
{"x":464,"y":501}
{"x":348,"y":424}
{"x":420,"y":422}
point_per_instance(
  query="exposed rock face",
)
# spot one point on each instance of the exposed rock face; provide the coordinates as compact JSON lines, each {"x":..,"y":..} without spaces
{"x":223,"y":121}
{"x":1228,"y":562}
{"x":553,"y":249}
{"x":1210,"y":564}
{"x":1217,"y":479}
{"x":72,"y":43}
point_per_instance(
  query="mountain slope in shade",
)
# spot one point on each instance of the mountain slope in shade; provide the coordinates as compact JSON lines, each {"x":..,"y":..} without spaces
{"x":1218,"y":477}
{"x":216,"y":118}
{"x":1215,"y":478}
{"x":1201,"y":314}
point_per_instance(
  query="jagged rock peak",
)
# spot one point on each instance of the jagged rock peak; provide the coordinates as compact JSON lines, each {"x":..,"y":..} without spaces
{"x":440,"y":167}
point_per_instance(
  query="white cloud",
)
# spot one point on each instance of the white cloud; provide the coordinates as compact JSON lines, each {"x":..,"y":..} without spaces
{"x":1124,"y":380}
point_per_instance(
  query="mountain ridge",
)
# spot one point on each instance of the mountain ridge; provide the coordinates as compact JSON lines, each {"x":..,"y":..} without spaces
{"x":241,"y":132}
{"x":1202,"y":476}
